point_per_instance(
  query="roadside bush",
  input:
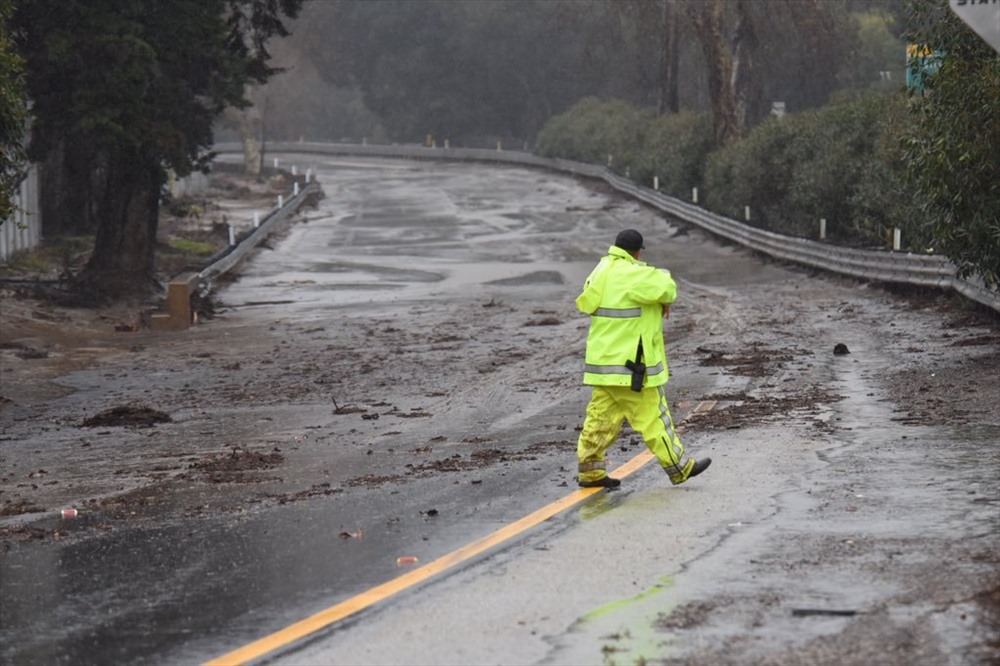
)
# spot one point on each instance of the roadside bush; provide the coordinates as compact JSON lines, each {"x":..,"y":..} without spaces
{"x":837,"y":163}
{"x":952,"y":154}
{"x":882,"y":200}
{"x":55,"y":256}
{"x":836,"y":151}
{"x":675,"y":150}
{"x":755,"y":172}
{"x":592,"y":130}
{"x":843,"y":163}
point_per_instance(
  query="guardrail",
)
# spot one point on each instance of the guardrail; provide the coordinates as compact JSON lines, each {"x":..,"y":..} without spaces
{"x":237,"y":253}
{"x":181,"y":288}
{"x":878,"y":266}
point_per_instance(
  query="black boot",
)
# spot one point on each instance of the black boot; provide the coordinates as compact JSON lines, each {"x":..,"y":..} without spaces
{"x":699,"y":467}
{"x":606,"y":482}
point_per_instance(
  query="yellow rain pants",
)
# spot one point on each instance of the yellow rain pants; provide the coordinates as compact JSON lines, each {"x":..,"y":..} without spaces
{"x":647,"y":412}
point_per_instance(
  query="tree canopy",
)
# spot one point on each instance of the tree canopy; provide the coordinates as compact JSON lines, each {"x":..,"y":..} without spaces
{"x":952,"y":146}
{"x":123,"y":91}
{"x":13,"y":115}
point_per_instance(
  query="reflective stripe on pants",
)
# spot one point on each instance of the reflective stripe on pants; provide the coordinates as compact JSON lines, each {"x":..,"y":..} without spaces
{"x":647,"y":412}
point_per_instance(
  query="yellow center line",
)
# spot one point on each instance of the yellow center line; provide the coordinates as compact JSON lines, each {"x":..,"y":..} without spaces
{"x":355,"y":604}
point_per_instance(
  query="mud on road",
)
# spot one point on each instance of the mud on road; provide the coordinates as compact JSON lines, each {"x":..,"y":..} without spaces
{"x":311,"y":388}
{"x":112,"y":446}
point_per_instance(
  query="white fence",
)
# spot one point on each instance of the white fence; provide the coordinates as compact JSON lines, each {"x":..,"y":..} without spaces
{"x":24,"y":230}
{"x":880,"y":266}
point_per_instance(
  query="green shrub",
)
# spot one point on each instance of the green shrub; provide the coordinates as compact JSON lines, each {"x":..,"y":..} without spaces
{"x":837,"y":163}
{"x":675,"y":150}
{"x":755,"y":172}
{"x":842,"y":163}
{"x":195,"y":248}
{"x":882,"y":200}
{"x":835,"y":151}
{"x":51,"y":258}
{"x":592,"y":130}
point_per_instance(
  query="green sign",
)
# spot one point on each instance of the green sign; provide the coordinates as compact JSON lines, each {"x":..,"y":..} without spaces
{"x":920,"y":62}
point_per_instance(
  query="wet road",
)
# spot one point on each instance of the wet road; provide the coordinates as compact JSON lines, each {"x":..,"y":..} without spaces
{"x":436,"y":300}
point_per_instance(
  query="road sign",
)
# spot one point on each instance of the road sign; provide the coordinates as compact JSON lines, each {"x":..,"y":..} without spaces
{"x":983,"y":16}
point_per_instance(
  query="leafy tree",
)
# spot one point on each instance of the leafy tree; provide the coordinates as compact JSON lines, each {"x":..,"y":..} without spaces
{"x":124,"y":90}
{"x":952,"y":144}
{"x":804,"y":45}
{"x":478,"y":69}
{"x":13,"y":116}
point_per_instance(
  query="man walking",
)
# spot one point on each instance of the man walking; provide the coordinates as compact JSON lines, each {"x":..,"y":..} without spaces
{"x":626,"y":363}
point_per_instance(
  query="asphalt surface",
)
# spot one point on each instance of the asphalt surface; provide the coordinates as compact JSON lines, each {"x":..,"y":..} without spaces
{"x":399,"y":375}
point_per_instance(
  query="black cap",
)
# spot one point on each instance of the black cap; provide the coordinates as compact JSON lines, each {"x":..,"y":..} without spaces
{"x":629,"y":240}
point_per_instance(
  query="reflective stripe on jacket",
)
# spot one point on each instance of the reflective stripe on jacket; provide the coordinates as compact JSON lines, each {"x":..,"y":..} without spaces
{"x":624,"y":298}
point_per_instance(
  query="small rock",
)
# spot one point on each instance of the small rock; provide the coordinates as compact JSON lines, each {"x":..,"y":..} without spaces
{"x":840,"y":349}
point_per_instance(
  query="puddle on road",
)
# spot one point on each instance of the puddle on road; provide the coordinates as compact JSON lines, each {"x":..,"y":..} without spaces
{"x":376,"y":271}
{"x":623,"y":631}
{"x":537,"y":277}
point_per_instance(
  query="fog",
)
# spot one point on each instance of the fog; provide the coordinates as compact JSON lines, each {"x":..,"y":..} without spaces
{"x":477,"y":71}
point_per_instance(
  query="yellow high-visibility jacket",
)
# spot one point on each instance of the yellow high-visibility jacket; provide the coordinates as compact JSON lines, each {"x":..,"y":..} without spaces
{"x":625,"y":298}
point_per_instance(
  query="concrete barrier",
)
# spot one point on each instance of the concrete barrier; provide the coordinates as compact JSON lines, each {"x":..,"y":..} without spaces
{"x":179,"y":314}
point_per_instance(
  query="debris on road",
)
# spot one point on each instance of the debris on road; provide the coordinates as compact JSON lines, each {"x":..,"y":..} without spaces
{"x":234,"y":467}
{"x":134,"y":415}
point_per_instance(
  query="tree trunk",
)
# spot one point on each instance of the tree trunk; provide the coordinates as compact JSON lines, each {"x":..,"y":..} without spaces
{"x":730,"y":65}
{"x":673,"y":73}
{"x":668,"y":99}
{"x":745,"y":90}
{"x":66,"y":180}
{"x":122,"y":265}
{"x":249,"y":123}
{"x":708,"y":24}
{"x":252,"y":134}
